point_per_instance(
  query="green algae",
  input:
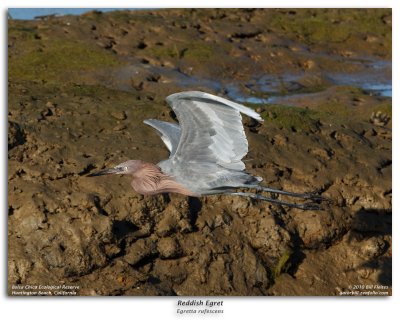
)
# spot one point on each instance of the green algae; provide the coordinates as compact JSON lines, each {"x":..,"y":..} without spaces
{"x":99,"y":91}
{"x":385,"y":107}
{"x":346,"y":105}
{"x":161,"y":52}
{"x":292,"y":118}
{"x":282,"y":265}
{"x":49,"y":60}
{"x":323,"y":26}
{"x":196,"y":51}
{"x":23,"y":33}
{"x":199,"y":51}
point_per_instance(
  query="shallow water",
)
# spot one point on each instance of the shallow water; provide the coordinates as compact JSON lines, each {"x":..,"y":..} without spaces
{"x":376,"y":80}
{"x":270,"y":88}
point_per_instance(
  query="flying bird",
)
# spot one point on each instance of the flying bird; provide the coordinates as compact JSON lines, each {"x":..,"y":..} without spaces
{"x":206,"y":152}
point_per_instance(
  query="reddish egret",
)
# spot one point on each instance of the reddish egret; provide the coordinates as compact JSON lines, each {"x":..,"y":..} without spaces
{"x":206,"y":151}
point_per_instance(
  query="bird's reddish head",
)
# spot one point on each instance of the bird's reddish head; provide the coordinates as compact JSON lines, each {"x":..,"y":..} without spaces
{"x":127,"y":167}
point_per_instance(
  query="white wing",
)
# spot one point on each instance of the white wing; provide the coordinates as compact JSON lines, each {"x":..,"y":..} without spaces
{"x":211,"y":130}
{"x":170,"y":133}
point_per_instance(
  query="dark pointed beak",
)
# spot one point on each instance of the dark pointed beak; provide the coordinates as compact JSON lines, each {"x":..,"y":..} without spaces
{"x":105,"y":172}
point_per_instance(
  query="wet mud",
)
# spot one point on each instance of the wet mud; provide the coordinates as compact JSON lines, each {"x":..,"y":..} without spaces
{"x":79,"y":90}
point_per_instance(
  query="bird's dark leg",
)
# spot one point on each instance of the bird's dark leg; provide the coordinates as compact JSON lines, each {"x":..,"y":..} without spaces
{"x":310,"y":196}
{"x":303,"y":206}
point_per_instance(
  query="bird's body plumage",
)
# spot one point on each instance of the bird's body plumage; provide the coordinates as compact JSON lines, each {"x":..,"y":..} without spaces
{"x":207,"y":157}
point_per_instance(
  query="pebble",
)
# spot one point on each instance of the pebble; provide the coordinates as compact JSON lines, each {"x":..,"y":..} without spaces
{"x":119,"y":115}
{"x":168,"y":248}
{"x":166,"y":226}
{"x":387,"y":19}
{"x":119,"y":127}
{"x":50,"y":104}
{"x":347,"y":53}
{"x":309,"y":64}
{"x":379,"y":118}
{"x":138,"y":251}
{"x":46,"y":113}
{"x":372,"y":248}
{"x":371,"y":39}
{"x":280,"y":139}
{"x":295,"y":48}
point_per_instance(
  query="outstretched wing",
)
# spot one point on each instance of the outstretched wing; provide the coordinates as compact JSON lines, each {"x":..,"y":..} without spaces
{"x":211,"y":130}
{"x":170,"y":133}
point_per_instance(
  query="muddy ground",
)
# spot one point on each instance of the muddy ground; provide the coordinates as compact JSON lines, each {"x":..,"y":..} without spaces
{"x":79,"y":89}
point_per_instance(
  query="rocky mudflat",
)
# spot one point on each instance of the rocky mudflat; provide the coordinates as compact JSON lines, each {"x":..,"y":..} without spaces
{"x":79,"y":90}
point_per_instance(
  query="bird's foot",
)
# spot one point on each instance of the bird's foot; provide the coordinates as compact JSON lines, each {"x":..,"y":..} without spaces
{"x":310,"y":206}
{"x":313,"y":196}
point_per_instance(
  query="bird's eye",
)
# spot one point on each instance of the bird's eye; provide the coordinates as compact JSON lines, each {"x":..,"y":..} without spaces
{"x":125,"y":168}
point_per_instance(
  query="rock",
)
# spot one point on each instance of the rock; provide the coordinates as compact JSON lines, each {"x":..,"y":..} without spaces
{"x":265,"y":38}
{"x":140,"y":250}
{"x":46,"y":113}
{"x":266,"y":237}
{"x":119,"y":115}
{"x":240,"y":205}
{"x":119,"y":127}
{"x":371,"y":248}
{"x":111,"y":250}
{"x":309,"y":64}
{"x":321,"y":152}
{"x":168,"y":248}
{"x":319,"y":229}
{"x":167,"y":225}
{"x":387,"y":19}
{"x":347,"y":53}
{"x":50,"y":104}
{"x":295,"y":48}
{"x":371,"y":39}
{"x":16,"y":135}
{"x":379,"y":119}
{"x":280,"y":139}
